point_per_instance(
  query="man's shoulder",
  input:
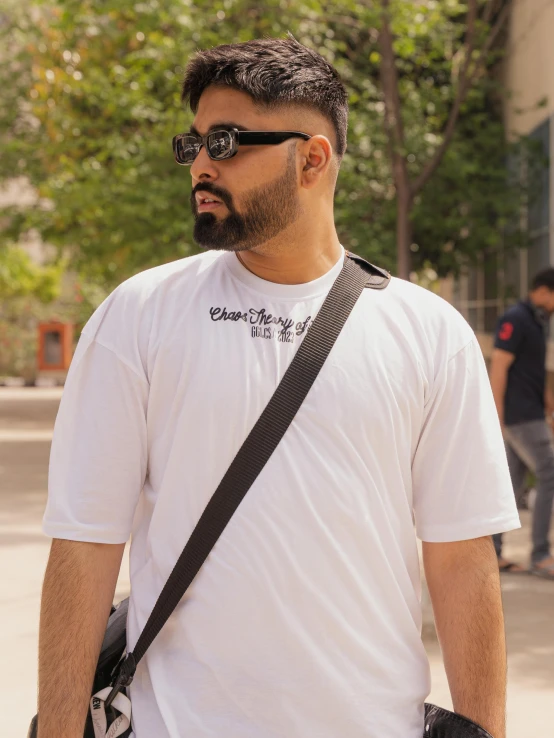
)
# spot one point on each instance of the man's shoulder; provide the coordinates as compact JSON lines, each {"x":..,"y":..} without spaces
{"x":423,"y":304}
{"x":129,"y":305}
{"x":517,"y":311}
{"x":412,"y":293}
{"x":517,"y":315}
{"x":151,"y":280}
{"x":426,"y":321}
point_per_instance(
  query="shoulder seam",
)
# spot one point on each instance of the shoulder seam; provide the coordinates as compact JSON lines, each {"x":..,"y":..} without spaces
{"x":463,"y":348}
{"x":122,"y":361}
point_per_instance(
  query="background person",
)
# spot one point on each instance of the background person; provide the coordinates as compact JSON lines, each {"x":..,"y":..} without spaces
{"x":518,"y":379}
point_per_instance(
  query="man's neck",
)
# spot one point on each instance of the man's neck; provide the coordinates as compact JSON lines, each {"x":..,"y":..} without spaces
{"x":295,"y":258}
{"x":539,"y":312}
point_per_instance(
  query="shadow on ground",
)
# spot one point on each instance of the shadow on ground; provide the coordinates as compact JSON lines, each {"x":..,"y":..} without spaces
{"x":529,"y":613}
{"x":23,"y":480}
{"x":19,"y":410}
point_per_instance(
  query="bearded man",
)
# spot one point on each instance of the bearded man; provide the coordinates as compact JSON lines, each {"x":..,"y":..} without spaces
{"x":305,"y":619}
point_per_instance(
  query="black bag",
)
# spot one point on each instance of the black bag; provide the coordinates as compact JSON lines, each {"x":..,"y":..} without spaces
{"x":441,"y":723}
{"x":115,"y":667}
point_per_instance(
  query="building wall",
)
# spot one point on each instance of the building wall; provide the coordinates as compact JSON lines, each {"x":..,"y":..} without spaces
{"x":529,"y":65}
{"x":529,"y":77}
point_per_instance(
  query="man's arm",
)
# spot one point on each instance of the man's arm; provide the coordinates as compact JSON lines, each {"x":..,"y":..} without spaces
{"x":501,"y":361}
{"x":76,"y":598}
{"x":549,"y":402}
{"x":464,"y":585}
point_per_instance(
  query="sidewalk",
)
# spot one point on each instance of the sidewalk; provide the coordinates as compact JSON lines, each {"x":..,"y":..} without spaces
{"x":26,"y":419}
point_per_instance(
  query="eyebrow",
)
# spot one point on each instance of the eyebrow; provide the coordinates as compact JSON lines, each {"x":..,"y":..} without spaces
{"x":219,"y":126}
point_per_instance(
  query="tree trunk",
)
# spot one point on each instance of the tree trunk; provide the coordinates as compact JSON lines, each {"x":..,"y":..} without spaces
{"x":394,"y":128}
{"x":406,"y":190}
{"x":403,"y":233}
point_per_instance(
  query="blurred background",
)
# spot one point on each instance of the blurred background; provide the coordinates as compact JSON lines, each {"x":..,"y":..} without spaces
{"x":447,"y":182}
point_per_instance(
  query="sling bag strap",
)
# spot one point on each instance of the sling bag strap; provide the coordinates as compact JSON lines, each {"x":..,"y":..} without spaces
{"x":355,"y":275}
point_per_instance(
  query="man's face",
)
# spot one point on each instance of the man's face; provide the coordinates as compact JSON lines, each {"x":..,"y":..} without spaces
{"x":549,"y":301}
{"x":257,"y":191}
{"x":544,"y":298}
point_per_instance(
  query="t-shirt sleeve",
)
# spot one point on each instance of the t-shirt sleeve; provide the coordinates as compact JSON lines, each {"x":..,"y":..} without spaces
{"x":99,"y":451}
{"x":510,"y":334}
{"x":461,"y":483}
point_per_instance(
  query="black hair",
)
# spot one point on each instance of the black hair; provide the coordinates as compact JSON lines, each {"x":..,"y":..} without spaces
{"x":544,"y":278}
{"x":274,"y":72}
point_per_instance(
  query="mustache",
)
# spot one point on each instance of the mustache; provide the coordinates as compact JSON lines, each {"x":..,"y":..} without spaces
{"x":225,"y":197}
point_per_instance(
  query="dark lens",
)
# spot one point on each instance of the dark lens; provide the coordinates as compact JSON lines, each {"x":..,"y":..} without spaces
{"x":186,"y":149}
{"x":220,"y":145}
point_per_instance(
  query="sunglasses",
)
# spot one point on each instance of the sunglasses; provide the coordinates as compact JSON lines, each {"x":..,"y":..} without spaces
{"x":224,"y":144}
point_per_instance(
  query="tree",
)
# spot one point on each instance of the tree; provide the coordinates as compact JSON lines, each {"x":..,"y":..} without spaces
{"x":89,"y":102}
{"x":20,"y":276}
{"x":479,"y":33}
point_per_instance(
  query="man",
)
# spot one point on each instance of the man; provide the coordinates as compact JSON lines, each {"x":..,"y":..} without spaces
{"x":518,"y":378}
{"x":305,"y":619}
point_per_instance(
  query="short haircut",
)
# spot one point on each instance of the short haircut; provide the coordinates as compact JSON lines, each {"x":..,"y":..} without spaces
{"x":274,"y":72}
{"x":544,"y":278}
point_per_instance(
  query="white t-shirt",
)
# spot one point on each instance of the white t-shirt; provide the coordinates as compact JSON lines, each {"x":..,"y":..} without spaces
{"x":305,"y":620}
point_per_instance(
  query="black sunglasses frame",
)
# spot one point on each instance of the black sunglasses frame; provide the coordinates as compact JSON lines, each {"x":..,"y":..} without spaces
{"x":236,"y":138}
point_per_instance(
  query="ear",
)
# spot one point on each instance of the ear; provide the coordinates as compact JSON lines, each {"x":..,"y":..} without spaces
{"x":316,"y":154}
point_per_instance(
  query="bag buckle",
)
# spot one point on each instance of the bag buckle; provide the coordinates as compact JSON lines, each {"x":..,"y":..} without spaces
{"x":125,"y":674}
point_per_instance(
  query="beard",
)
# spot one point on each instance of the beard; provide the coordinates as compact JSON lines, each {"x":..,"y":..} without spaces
{"x":267,"y":211}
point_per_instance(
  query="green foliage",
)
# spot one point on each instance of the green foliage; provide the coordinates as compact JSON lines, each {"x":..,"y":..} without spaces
{"x":20,"y":276}
{"x":27,"y":292}
{"x":89,"y":102}
{"x":18,"y":340}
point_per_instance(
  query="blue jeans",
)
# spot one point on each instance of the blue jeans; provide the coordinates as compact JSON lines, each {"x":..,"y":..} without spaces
{"x":529,"y":446}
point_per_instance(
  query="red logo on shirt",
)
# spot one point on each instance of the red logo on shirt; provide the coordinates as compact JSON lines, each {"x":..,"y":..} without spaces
{"x":505,"y":332}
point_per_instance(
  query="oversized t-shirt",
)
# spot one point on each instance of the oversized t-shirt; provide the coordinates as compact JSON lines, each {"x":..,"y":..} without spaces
{"x":305,"y":619}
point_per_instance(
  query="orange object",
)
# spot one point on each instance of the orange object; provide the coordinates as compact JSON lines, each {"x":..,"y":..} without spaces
{"x":55,"y":346}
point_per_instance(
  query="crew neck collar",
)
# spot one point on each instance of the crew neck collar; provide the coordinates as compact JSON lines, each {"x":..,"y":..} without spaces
{"x":303,"y":291}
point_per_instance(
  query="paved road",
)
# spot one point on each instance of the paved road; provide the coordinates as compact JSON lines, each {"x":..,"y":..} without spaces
{"x":26,"y":418}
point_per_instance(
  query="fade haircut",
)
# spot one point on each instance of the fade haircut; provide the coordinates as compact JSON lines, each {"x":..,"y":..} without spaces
{"x":274,"y":72}
{"x":544,"y":278}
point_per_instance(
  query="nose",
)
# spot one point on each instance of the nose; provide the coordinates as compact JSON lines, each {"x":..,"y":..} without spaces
{"x":203,"y":169}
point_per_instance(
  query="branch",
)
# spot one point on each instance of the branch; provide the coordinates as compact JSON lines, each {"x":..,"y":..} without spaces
{"x":465,"y":81}
{"x":499,"y":24}
{"x":389,"y":76}
{"x":393,"y":112}
{"x":487,"y":15}
{"x":345,"y":20}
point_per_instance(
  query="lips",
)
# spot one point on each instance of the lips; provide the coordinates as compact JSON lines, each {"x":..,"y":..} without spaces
{"x":206,"y":202}
{"x":203,"y":196}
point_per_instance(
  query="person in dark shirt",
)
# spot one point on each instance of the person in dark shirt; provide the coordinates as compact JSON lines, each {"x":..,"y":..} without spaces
{"x":518,"y":379}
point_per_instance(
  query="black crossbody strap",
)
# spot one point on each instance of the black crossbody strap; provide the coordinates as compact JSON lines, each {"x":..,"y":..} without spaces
{"x":257,"y":448}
